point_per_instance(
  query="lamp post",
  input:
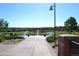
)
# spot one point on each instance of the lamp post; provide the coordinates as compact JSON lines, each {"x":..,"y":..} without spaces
{"x":53,"y":7}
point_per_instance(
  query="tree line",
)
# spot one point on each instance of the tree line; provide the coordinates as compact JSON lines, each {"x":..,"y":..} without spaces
{"x":69,"y":25}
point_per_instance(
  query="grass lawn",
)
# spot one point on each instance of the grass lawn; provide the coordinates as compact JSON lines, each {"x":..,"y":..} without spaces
{"x":65,"y":32}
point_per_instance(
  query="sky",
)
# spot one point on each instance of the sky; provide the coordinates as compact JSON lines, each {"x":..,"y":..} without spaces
{"x":37,"y":14}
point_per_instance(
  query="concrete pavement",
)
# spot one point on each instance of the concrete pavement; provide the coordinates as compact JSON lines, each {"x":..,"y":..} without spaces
{"x":31,"y":46}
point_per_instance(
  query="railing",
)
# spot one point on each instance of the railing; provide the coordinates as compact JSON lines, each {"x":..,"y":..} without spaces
{"x":68,"y":45}
{"x":74,"y":46}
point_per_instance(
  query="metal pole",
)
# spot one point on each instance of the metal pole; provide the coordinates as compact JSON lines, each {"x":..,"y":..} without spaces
{"x":51,"y":8}
{"x":54,"y":21}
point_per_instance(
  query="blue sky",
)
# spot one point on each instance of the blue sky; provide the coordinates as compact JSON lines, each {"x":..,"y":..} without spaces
{"x":37,"y":14}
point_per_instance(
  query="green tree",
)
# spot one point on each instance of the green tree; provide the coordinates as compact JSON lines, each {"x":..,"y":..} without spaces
{"x":3,"y":24}
{"x":70,"y":24}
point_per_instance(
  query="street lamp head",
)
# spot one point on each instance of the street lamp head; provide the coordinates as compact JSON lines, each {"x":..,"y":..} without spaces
{"x":51,"y":7}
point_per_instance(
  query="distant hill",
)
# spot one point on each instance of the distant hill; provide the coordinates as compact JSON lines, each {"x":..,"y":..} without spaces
{"x":30,"y":29}
{"x":58,"y":28}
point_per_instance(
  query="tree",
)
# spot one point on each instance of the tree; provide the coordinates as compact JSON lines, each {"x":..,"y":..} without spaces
{"x":3,"y":24}
{"x":71,"y":24}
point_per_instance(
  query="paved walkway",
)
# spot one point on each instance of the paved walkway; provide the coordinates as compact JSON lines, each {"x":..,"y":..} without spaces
{"x":31,"y":46}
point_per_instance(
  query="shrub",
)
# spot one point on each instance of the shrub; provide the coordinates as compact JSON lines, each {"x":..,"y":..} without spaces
{"x":50,"y":39}
{"x":2,"y":37}
{"x":15,"y":36}
{"x":5,"y":33}
{"x":11,"y":34}
{"x":7,"y":37}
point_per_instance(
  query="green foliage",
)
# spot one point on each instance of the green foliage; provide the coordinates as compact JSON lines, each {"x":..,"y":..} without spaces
{"x":3,"y":24}
{"x":71,"y":24}
{"x":2,"y":37}
{"x":17,"y":33}
{"x":8,"y":37}
{"x":15,"y":36}
{"x":12,"y":36}
{"x":50,"y":39}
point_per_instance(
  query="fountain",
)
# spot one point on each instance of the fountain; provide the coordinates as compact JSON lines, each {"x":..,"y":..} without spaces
{"x":25,"y":33}
{"x":25,"y":36}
